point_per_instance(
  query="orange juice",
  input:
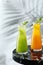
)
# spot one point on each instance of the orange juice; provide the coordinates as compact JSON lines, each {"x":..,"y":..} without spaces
{"x":36,"y":42}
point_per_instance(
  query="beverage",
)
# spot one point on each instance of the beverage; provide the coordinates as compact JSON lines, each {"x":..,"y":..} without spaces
{"x":36,"y":42}
{"x":21,"y":46}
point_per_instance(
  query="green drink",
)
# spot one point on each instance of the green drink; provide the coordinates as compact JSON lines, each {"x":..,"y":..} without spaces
{"x":22,"y":46}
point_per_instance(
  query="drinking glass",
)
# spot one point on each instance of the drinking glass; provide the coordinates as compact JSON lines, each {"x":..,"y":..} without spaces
{"x":36,"y":41}
{"x":21,"y":46}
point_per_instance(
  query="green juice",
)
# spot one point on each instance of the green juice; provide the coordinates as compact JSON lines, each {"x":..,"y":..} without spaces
{"x":21,"y":46}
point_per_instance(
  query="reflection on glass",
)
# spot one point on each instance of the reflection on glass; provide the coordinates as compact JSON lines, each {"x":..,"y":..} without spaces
{"x":21,"y":46}
{"x":36,"y":42}
{"x":36,"y":55}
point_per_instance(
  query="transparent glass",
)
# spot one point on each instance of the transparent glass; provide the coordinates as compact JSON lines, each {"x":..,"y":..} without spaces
{"x":22,"y":46}
{"x":36,"y":41}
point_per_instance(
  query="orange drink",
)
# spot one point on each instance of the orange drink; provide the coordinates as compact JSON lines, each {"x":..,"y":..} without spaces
{"x":36,"y":42}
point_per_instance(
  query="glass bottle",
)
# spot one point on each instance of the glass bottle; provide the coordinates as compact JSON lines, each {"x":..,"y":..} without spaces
{"x":21,"y":46}
{"x":36,"y":41}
